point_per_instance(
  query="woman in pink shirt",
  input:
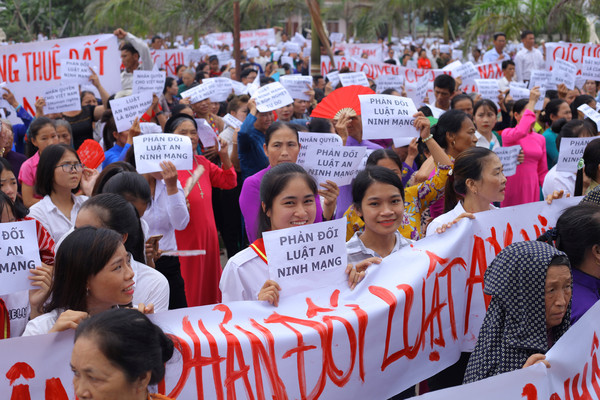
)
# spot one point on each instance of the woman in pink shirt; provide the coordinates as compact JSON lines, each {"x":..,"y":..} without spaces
{"x":524,"y":186}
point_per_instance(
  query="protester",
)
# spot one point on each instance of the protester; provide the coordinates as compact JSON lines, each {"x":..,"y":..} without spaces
{"x":588,"y":167}
{"x":485,"y":115}
{"x":528,"y":58}
{"x":508,"y":75}
{"x":553,"y":111}
{"x":135,"y":55}
{"x":169,"y":97}
{"x":497,"y":52}
{"x":523,"y":321}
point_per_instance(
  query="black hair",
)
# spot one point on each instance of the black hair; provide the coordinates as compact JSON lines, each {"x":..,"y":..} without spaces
{"x":155,"y":38}
{"x":525,"y":33}
{"x":316,"y":78}
{"x":460,"y":97}
{"x":468,"y":165}
{"x":570,"y":129}
{"x":246,"y":72}
{"x":168,"y":83}
{"x":177,"y":119}
{"x":108,"y":172}
{"x":449,"y":122}
{"x":81,"y":255}
{"x":131,"y":185}
{"x":118,"y":214}
{"x":49,"y":159}
{"x":518,"y":107}
{"x":178,"y":108}
{"x":178,"y":68}
{"x":20,"y":211}
{"x":85,"y":93}
{"x":32,"y":132}
{"x":580,"y":100}
{"x":389,"y":91}
{"x":591,"y":160}
{"x":370,"y":175}
{"x":381,"y":154}
{"x":273,"y":183}
{"x":445,"y":82}
{"x":498,"y":34}
{"x":110,"y":127}
{"x":5,"y":202}
{"x":126,"y":46}
{"x":322,"y":125}
{"x":130,"y":341}
{"x":577,"y":231}
{"x":277,"y":125}
{"x":506,"y":63}
{"x":485,"y":103}
{"x":552,"y":108}
{"x":235,"y":102}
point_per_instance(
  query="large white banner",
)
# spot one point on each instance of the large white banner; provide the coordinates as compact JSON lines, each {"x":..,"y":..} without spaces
{"x":30,"y":69}
{"x":571,"y":52}
{"x":248,"y":39}
{"x":169,"y":59}
{"x":408,"y":319}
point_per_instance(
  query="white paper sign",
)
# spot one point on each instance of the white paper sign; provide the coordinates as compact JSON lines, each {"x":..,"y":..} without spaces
{"x":271,"y":97}
{"x":222,"y":88}
{"x":126,"y":109}
{"x":76,"y":71}
{"x":590,"y":68}
{"x":151,"y":150}
{"x":489,"y":89}
{"x":417,"y":90}
{"x":590,"y":113}
{"x":200,"y":92}
{"x":239,"y":88}
{"x":314,"y":139}
{"x":232,"y":121}
{"x":333,"y":163}
{"x":307,"y":257}
{"x":206,"y":134}
{"x":445,"y":48}
{"x":467,"y":72}
{"x":354,"y":78}
{"x":390,"y":82}
{"x":508,"y":157}
{"x":564,"y":72}
{"x":291,"y":47}
{"x":19,"y":252}
{"x":149,"y":81}
{"x":287,"y":60}
{"x":541,"y":78}
{"x":571,"y":151}
{"x":386,"y":116}
{"x":148,"y":128}
{"x":517,"y":92}
{"x":336,"y":37}
{"x":62,"y":99}
{"x":334,"y":78}
{"x":297,"y":85}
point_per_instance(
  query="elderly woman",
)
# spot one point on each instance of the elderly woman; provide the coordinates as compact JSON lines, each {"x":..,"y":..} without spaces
{"x":530,"y":284}
{"x":123,"y":350}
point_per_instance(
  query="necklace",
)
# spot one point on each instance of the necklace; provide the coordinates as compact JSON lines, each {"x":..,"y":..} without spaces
{"x":213,"y":124}
{"x":192,"y":177}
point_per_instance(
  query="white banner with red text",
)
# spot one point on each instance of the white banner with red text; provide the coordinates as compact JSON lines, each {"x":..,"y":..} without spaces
{"x":408,"y":319}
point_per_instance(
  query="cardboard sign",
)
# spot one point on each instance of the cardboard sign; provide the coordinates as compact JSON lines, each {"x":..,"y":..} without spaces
{"x":571,"y":151}
{"x":386,"y":116}
{"x":307,"y":257}
{"x":126,"y":109}
{"x":222,"y":88}
{"x":75,"y":71}
{"x":62,"y":99}
{"x":297,"y":85}
{"x":206,"y":134}
{"x":338,"y":164}
{"x":590,"y":113}
{"x":149,"y":81}
{"x":508,"y":156}
{"x":313,"y":139}
{"x":232,"y":121}
{"x":271,"y":97}
{"x":90,"y":153}
{"x":489,"y":89}
{"x":385,"y":82}
{"x":564,"y":72}
{"x":354,"y":78}
{"x":590,"y":68}
{"x":151,"y":150}
{"x":19,"y":253}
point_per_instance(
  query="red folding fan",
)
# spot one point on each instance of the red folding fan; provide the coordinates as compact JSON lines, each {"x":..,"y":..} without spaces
{"x":344,"y":97}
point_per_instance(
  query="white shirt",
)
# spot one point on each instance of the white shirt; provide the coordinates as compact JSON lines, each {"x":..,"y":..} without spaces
{"x":357,"y":251}
{"x":483,"y":142}
{"x":150,"y":287}
{"x":526,"y":61}
{"x":243,"y":276}
{"x":42,"y":324}
{"x":55,"y":222}
{"x":167,"y":214}
{"x":559,"y":180}
{"x":145,"y":61}
{"x":19,"y":310}
{"x":447,"y":218}
{"x":492,"y":55}
{"x":504,"y":84}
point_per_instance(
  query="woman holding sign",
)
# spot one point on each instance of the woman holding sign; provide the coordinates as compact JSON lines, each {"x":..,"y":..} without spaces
{"x":201,"y":273}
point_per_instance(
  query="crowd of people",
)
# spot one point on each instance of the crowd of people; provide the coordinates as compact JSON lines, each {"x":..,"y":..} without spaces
{"x":111,"y":239}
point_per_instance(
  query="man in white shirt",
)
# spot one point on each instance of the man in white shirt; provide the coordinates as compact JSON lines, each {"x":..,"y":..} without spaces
{"x":135,"y":54}
{"x":508,"y":70}
{"x":497,"y":52}
{"x":529,"y":58}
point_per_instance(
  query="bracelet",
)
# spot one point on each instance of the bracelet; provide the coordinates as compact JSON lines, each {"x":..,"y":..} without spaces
{"x":427,"y":138}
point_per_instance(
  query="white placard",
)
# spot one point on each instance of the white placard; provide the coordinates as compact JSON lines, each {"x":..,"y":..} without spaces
{"x":271,"y":97}
{"x":571,"y":151}
{"x":252,"y":53}
{"x":354,"y":78}
{"x":62,"y":99}
{"x":151,"y":150}
{"x":590,"y":113}
{"x":286,"y":60}
{"x":385,"y":116}
{"x":149,"y":81}
{"x":297,"y":85}
{"x":564,"y":72}
{"x":590,"y":68}
{"x":336,"y":37}
{"x":467,"y":72}
{"x":253,"y":87}
{"x":126,"y":109}
{"x":19,"y":253}
{"x":75,"y":71}
{"x":508,"y":156}
{"x":385,"y":82}
{"x":222,"y":88}
{"x":334,"y":78}
{"x":489,"y":89}
{"x":239,"y":88}
{"x":291,"y":47}
{"x":206,"y":134}
{"x":314,"y":139}
{"x":299,"y":39}
{"x":333,"y":163}
{"x":200,"y":92}
{"x":517,"y":92}
{"x":232,"y":121}
{"x":541,"y":78}
{"x":148,"y":128}
{"x":307,"y":257}
{"x":417,"y":89}
{"x":445,"y":48}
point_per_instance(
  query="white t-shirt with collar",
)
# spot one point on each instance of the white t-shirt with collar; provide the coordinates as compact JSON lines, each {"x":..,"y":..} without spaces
{"x":448,"y":217}
{"x":55,"y":222}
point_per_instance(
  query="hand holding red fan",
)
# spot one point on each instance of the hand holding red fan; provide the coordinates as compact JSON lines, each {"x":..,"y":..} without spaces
{"x":91,"y":154}
{"x":343,"y":98}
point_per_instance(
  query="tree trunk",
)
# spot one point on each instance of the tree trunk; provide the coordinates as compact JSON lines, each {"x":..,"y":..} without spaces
{"x":446,"y":31}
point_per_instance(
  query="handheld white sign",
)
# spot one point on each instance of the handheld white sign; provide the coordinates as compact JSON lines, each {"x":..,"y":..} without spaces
{"x":517,"y":92}
{"x":508,"y":156}
{"x":297,"y":85}
{"x":417,"y":90}
{"x":75,"y":71}
{"x":313,"y":139}
{"x":338,"y":164}
{"x":386,"y":116}
{"x":564,"y":72}
{"x":334,"y":78}
{"x":590,"y":113}
{"x":232,"y":121}
{"x":307,"y":257}
{"x":467,"y":72}
{"x":590,"y":68}
{"x":19,"y":253}
{"x":149,"y":81}
{"x":126,"y":109}
{"x":62,"y":98}
{"x":571,"y":151}
{"x":385,"y":82}
{"x":199,"y":93}
{"x":206,"y":134}
{"x":541,"y":78}
{"x":354,"y":78}
{"x":222,"y":88}
{"x":151,"y":150}
{"x":271,"y":97}
{"x":489,"y":89}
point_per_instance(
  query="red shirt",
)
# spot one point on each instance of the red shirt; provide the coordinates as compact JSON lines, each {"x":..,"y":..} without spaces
{"x":424,"y":63}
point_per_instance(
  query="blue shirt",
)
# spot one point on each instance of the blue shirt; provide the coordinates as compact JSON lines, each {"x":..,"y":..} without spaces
{"x":250,"y":148}
{"x":115,"y":153}
{"x":19,"y":130}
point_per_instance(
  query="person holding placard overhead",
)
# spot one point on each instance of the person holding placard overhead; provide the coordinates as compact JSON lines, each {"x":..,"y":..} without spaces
{"x":135,"y":55}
